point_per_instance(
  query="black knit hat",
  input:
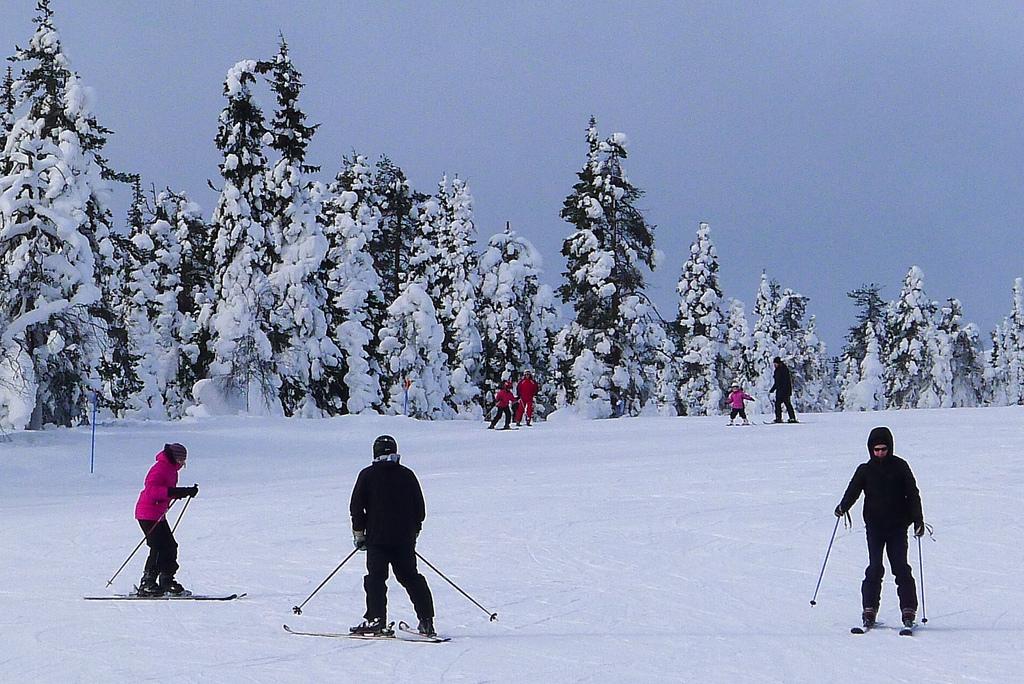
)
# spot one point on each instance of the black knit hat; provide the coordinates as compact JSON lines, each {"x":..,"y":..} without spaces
{"x":880,"y":435}
{"x":176,"y":452}
{"x":385,"y":445}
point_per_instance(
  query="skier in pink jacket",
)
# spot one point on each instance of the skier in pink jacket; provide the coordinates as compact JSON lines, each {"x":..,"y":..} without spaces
{"x":736,"y":398}
{"x":151,"y":511}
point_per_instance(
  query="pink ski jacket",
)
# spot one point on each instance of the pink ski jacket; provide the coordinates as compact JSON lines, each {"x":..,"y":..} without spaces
{"x":737,"y":397}
{"x":154,"y":499}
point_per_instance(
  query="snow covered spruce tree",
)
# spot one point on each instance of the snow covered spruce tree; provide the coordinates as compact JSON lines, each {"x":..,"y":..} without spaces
{"x":1005,"y":370}
{"x":804,"y":354}
{"x":767,"y":338}
{"x":741,"y":364}
{"x":518,"y":317}
{"x":150,"y":270}
{"x":867,"y":393}
{"x":909,"y":354}
{"x":186,"y":295}
{"x":168,"y":292}
{"x":457,"y":313}
{"x":131,"y":375}
{"x":870,"y":326}
{"x":606,"y":356}
{"x":398,"y":225}
{"x":6,"y":108}
{"x":243,"y":371}
{"x":302,"y":349}
{"x":445,"y":264}
{"x":700,"y":331}
{"x":962,"y":351}
{"x":356,"y":308}
{"x":416,"y":371}
{"x":54,"y":240}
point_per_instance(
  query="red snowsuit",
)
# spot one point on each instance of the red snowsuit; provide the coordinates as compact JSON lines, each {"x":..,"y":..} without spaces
{"x":527,"y":390}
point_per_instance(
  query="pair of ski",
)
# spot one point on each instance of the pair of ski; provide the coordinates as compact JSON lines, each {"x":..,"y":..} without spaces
{"x":864,"y":629}
{"x":405,"y":632}
{"x":184,"y":596}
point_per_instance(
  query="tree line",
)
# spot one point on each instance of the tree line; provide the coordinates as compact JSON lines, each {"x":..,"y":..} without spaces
{"x":309,"y":298}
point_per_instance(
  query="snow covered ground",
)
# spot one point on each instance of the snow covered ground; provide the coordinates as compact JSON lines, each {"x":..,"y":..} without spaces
{"x":631,"y":550}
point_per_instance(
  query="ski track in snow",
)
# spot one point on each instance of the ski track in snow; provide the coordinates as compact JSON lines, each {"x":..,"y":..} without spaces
{"x":631,"y":550}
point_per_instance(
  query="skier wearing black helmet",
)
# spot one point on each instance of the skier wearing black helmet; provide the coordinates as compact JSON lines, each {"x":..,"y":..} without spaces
{"x":387,"y":514}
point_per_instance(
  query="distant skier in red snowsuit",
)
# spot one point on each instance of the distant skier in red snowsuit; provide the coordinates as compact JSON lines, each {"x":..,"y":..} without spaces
{"x":527,"y":390}
{"x":503,"y":400}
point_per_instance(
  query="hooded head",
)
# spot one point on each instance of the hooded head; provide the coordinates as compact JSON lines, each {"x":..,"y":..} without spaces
{"x":177,"y":453}
{"x":385,"y":448}
{"x":880,"y":436}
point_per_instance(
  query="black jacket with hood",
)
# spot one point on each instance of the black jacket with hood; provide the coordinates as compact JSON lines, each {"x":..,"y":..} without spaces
{"x":891,"y":497}
{"x":783,"y":382}
{"x":387,"y":503}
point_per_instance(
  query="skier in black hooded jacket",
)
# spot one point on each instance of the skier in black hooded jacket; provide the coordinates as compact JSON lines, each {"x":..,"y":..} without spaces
{"x":783,"y":388}
{"x":891,"y":503}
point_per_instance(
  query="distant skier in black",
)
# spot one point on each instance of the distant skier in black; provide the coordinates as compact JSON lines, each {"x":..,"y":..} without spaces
{"x":891,"y":503}
{"x":783,"y":388}
{"x":387,"y":511}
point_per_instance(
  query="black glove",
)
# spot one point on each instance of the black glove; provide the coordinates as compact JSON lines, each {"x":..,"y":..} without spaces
{"x":182,"y":492}
{"x":359,"y":539}
{"x":919,"y":528}
{"x":839,"y":511}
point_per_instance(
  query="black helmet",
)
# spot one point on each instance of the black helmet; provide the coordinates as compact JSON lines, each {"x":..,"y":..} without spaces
{"x":385,"y":445}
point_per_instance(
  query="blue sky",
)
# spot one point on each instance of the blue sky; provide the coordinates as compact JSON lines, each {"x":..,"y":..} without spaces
{"x":832,"y":144}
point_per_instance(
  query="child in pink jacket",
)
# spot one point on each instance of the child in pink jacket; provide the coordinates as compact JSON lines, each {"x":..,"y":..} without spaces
{"x":151,"y":511}
{"x":736,"y":398}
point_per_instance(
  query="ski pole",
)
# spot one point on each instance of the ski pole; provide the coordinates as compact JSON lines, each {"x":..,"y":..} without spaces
{"x":493,"y":616}
{"x":298,"y":609}
{"x":834,"y":530}
{"x":920,"y":568}
{"x":145,"y":537}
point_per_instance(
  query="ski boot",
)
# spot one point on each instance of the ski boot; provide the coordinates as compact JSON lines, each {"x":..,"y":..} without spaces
{"x":426,"y":627}
{"x":148,"y":585}
{"x":868,"y":617}
{"x":909,"y":615}
{"x":375,"y":627}
{"x":168,"y":585}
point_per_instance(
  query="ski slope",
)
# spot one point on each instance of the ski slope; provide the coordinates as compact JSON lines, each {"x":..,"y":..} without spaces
{"x":630,"y":550}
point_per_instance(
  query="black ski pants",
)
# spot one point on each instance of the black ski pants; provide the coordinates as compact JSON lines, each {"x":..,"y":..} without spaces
{"x":163,"y":550}
{"x":893,"y":541}
{"x":504,"y":411}
{"x":781,"y":401}
{"x":401,"y":558}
